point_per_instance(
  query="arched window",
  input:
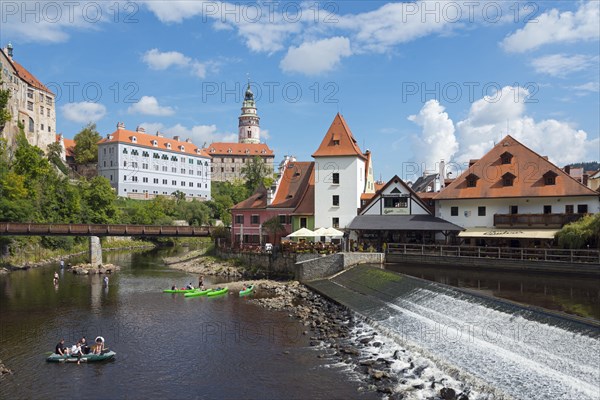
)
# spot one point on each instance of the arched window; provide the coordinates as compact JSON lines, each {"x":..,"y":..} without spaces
{"x":31,"y":124}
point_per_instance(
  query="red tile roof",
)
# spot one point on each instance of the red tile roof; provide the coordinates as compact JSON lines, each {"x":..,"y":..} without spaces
{"x":226,"y":149}
{"x":69,"y":145}
{"x":338,"y":141}
{"x":307,"y":203}
{"x":294,"y":182}
{"x":258,"y":199}
{"x":529,"y":169}
{"x":29,"y":78}
{"x":145,"y":140}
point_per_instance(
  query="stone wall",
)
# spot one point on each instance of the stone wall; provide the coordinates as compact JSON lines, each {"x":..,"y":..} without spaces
{"x":330,"y":265}
{"x":279,"y":264}
{"x":351,"y":259}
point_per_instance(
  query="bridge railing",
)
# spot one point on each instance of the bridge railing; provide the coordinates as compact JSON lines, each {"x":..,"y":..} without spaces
{"x":24,"y":228}
{"x":507,"y":253}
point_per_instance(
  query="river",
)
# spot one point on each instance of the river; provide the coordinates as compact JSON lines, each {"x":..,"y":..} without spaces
{"x":167,"y":346}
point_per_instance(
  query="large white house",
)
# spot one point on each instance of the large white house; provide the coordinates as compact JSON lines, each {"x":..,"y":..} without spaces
{"x":514,"y":194}
{"x":341,"y":177}
{"x":142,"y":166}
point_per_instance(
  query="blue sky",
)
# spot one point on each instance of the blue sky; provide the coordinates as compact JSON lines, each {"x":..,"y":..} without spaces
{"x":416,"y":82}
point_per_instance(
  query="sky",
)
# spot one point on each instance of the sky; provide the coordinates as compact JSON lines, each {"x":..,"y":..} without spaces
{"x":417,"y":82}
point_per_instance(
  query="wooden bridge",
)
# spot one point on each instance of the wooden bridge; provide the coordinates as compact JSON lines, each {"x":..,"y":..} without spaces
{"x":32,"y":229}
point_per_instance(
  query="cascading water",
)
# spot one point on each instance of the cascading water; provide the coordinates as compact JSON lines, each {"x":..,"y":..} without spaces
{"x":521,"y":352}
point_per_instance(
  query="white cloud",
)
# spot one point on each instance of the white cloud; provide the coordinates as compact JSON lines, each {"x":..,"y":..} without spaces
{"x":313,"y":58}
{"x":177,"y":10}
{"x":200,"y":134}
{"x":152,"y":127}
{"x":163,"y":60}
{"x":556,"y":27}
{"x":149,"y":105}
{"x":84,"y":112}
{"x":487,"y":122}
{"x":436,"y":141}
{"x":586,"y":88}
{"x":561,"y":65}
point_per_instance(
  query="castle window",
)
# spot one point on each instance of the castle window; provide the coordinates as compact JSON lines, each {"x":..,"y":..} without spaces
{"x":508,"y":179}
{"x":506,"y":157}
{"x":31,"y":125}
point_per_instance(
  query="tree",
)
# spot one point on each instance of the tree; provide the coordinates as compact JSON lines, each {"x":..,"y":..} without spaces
{"x":86,"y":145}
{"x":273,"y":227}
{"x":4,"y":113}
{"x":582,"y":233}
{"x":99,"y":202}
{"x":255,"y":173}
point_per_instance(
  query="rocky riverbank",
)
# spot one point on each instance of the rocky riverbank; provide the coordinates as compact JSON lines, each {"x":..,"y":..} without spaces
{"x":203,"y":265}
{"x":380,"y":363}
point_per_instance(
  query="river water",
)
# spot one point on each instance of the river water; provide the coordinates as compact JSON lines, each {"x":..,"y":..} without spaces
{"x":167,"y":346}
{"x":573,"y":295}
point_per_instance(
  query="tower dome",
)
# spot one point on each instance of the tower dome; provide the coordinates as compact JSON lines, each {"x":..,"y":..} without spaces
{"x":249,"y":121}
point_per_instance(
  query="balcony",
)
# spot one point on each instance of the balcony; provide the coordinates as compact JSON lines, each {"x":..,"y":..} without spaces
{"x":534,"y":220}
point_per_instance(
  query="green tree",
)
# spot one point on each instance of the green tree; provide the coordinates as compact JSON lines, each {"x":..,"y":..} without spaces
{"x":580,"y":234}
{"x":255,"y":173}
{"x":86,"y":145}
{"x":4,"y":112}
{"x":196,"y":213}
{"x":273,"y":227}
{"x":98,"y":202}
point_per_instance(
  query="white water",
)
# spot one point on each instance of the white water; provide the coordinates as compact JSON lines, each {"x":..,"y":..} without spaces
{"x":522,"y":358}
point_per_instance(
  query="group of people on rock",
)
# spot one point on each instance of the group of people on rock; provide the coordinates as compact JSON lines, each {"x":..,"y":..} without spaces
{"x":80,"y":348}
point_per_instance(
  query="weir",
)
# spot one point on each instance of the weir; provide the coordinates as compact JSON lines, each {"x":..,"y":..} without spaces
{"x":517,"y":351}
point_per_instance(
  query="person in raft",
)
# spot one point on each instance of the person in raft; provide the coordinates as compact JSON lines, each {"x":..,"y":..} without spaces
{"x":85,"y":349}
{"x":173,"y":287}
{"x":60,"y":348}
{"x":189,"y":286}
{"x":99,"y":345}
{"x":76,"y":352}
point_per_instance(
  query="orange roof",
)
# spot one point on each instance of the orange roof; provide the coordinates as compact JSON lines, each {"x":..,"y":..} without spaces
{"x":225,"y":149}
{"x":379,"y":185}
{"x":69,"y":145}
{"x":307,"y":203}
{"x":28,"y":77}
{"x":338,"y":141}
{"x":258,"y":199}
{"x":367,"y":196}
{"x":146,"y":140}
{"x":293,"y":184}
{"x":527,"y":166}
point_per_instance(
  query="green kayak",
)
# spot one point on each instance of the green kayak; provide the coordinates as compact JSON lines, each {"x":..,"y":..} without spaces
{"x":218,"y":291}
{"x":179,"y":290}
{"x":84,"y":358}
{"x":197,"y":293}
{"x":247,"y":291}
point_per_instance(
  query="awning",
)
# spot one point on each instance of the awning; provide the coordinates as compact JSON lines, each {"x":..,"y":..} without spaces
{"x":512,"y":233}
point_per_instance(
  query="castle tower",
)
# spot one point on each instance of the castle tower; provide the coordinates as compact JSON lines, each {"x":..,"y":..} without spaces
{"x":249,"y":126}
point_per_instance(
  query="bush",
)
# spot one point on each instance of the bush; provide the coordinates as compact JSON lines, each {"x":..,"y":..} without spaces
{"x":580,"y":234}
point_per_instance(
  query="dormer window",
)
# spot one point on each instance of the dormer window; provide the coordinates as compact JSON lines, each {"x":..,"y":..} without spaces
{"x":472,"y":180}
{"x":550,"y":178}
{"x":134,"y":139}
{"x":155,"y":143}
{"x":336,"y":142}
{"x":508,"y":179}
{"x":168,"y":145}
{"x":229,"y":150}
{"x":182,"y":148}
{"x":506,"y":157}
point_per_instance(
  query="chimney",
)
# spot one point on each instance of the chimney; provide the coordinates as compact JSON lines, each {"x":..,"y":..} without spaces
{"x":567,"y":169}
{"x":473,"y":161}
{"x":120,"y":126}
{"x":269,"y":197}
{"x":140,"y":129}
{"x":176,"y":138}
{"x":159,"y":134}
{"x":441,"y":175}
{"x":585,"y":178}
{"x":188,"y":140}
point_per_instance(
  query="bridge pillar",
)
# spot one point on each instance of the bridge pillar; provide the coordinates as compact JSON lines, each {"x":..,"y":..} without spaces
{"x":95,"y":251}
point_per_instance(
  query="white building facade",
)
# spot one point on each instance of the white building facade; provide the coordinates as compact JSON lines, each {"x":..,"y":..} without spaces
{"x":144,"y":166}
{"x":339,"y":177}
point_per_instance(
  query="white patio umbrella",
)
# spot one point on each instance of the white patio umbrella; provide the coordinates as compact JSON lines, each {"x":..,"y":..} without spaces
{"x":320,"y":232}
{"x":302,"y":232}
{"x":332,"y":232}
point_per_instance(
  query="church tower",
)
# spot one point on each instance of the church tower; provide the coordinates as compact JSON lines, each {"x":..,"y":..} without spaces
{"x":249,"y":126}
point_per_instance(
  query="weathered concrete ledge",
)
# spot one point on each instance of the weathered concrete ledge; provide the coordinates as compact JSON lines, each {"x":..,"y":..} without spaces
{"x":322,"y":267}
{"x":497,"y":263}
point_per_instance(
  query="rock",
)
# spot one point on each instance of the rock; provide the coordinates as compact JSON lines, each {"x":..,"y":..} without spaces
{"x":377,"y":344}
{"x":314,"y":343}
{"x":418,"y":386}
{"x":286,"y":352}
{"x":448,"y":394}
{"x":367,"y":362}
{"x":364,"y":340}
{"x":376,"y":374}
